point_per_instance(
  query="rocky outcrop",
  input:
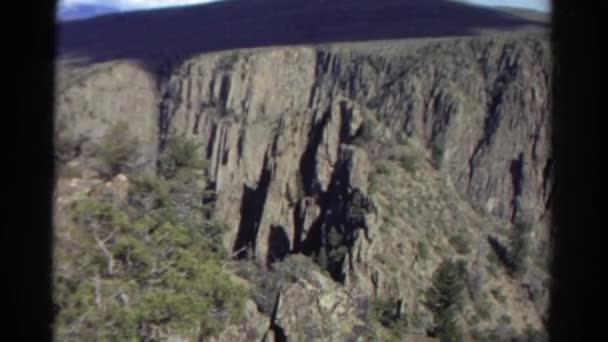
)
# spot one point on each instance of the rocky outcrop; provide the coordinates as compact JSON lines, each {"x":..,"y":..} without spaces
{"x":254,"y":327}
{"x":317,"y":309}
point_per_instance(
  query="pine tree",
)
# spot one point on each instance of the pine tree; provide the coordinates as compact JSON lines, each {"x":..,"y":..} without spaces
{"x":445,"y":299}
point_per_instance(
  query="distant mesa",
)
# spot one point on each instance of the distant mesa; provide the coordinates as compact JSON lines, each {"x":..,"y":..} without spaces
{"x":224,"y":25}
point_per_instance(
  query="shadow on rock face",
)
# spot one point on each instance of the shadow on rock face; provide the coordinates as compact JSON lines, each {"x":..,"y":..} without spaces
{"x":252,"y":209}
{"x":278,"y":244}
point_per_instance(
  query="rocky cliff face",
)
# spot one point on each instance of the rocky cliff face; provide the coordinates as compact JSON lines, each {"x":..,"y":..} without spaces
{"x":294,"y":135}
{"x":273,"y":122}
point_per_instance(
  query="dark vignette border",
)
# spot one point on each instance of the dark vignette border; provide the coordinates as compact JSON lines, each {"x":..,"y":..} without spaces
{"x":27,"y":235}
{"x":577,"y":125}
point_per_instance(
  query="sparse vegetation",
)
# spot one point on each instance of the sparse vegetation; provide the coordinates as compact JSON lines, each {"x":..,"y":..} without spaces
{"x":407,"y":157}
{"x":380,"y":258}
{"x":541,"y":261}
{"x":520,"y":248}
{"x":180,"y":153}
{"x":267,"y":282}
{"x":474,"y":282}
{"x":375,"y":102}
{"x":515,"y":259}
{"x":498,"y":295}
{"x":445,"y":299}
{"x":488,"y":336}
{"x":437,"y":151}
{"x":67,"y":147}
{"x":143,"y":269}
{"x":68,"y":171}
{"x":423,"y":250}
{"x":461,"y":244}
{"x":227,"y":62}
{"x":117,"y":150}
{"x":492,"y":269}
{"x":493,"y":262}
{"x":534,"y":290}
{"x":366,"y":133}
{"x":410,"y":161}
{"x":474,"y":319}
{"x":387,"y":313}
{"x":484,"y":310}
{"x":383,"y":167}
{"x":374,"y":184}
{"x":384,"y":260}
{"x":499,"y":254}
{"x":531,"y":334}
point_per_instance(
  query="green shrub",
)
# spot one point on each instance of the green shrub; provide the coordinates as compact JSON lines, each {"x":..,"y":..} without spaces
{"x":409,"y":158}
{"x":492,"y":269}
{"x":402,"y":138}
{"x":437,"y":152}
{"x":171,"y":277}
{"x":265,"y":292}
{"x":152,"y":268}
{"x":148,"y":193}
{"x":387,"y":313}
{"x":423,"y":250}
{"x":460,"y":243}
{"x":493,"y":262}
{"x":410,"y":161}
{"x":445,"y":299}
{"x":383,"y":167}
{"x":474,"y":319}
{"x":117,"y":150}
{"x":179,"y":153}
{"x":374,"y":186}
{"x":500,"y":297}
{"x":484,"y":311}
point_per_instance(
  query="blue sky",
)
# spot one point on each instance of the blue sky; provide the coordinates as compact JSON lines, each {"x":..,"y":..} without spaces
{"x":541,"y":5}
{"x":126,"y":5}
